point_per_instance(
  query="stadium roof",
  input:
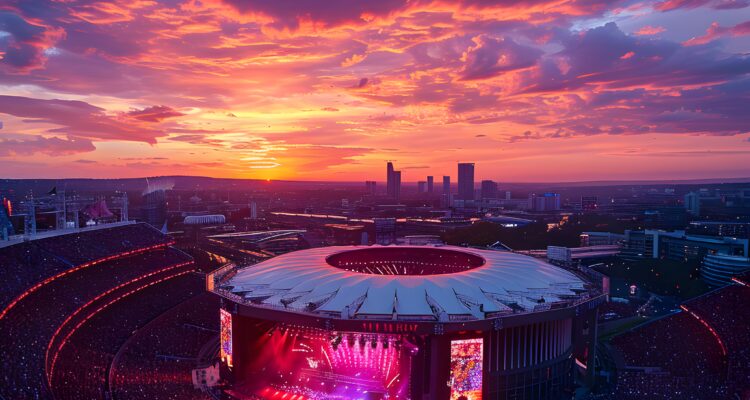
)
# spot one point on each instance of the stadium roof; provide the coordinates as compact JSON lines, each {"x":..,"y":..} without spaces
{"x":389,"y":283}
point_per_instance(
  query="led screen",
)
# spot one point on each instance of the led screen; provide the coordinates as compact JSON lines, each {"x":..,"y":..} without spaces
{"x":226,"y":336}
{"x":466,"y":369}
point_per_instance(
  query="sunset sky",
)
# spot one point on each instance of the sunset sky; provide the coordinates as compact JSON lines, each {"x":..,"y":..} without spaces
{"x":547,"y":90}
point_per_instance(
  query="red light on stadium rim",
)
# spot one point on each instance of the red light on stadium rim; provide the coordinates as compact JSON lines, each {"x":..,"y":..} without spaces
{"x":710,"y":329}
{"x":100,"y":296}
{"x":740,"y":282}
{"x":64,"y":341}
{"x":79,"y":267}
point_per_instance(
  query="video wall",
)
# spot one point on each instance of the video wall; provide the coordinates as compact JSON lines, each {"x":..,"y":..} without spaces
{"x":466,"y":369}
{"x":226,"y":336}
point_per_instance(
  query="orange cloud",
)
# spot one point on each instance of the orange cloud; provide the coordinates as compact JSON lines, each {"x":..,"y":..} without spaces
{"x":650,"y":30}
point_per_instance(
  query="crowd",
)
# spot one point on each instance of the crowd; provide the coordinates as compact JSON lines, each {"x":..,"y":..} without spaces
{"x":655,"y":386}
{"x":678,"y":344}
{"x":34,"y":326}
{"x":83,"y":367}
{"x":727,"y":312}
{"x":23,"y":265}
{"x":158,"y":360}
{"x":26,"y":264}
{"x":688,"y":355}
{"x":86,"y":246}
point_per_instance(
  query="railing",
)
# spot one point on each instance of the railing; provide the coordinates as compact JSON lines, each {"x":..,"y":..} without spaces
{"x":15,"y":239}
{"x":453,"y":318}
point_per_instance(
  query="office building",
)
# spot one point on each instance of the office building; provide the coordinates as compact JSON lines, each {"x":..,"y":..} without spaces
{"x":397,"y":185}
{"x":544,"y":202}
{"x":570,"y":255}
{"x":430,"y":184}
{"x":680,"y":246}
{"x":720,"y":228}
{"x":393,"y":182}
{"x":446,"y":185}
{"x":600,"y":238}
{"x":389,"y":186}
{"x":488,"y":189}
{"x":421,"y":186}
{"x":693,"y":203}
{"x":371,"y":187}
{"x":466,"y":181}
{"x":589,"y":203}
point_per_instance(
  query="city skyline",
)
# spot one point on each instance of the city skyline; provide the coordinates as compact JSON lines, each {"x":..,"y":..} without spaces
{"x":554,"y":91}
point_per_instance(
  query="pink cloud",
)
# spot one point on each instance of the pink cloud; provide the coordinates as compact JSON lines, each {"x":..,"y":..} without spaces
{"x":79,"y":118}
{"x":490,"y":57}
{"x":716,"y":31}
{"x":669,"y":5}
{"x":154,"y":113}
{"x":50,"y":146}
{"x":650,"y":30}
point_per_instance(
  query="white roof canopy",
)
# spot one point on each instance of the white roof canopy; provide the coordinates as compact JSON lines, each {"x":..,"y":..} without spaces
{"x":305,"y":281}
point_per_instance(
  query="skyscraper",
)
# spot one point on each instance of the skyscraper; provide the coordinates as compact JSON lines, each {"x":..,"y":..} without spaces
{"x":389,"y":188}
{"x":446,"y":185}
{"x":466,"y":181}
{"x":489,"y":189}
{"x":421,"y":186}
{"x":430,"y":184}
{"x":397,"y":185}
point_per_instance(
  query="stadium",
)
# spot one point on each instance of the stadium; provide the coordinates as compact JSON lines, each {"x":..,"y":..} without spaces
{"x":405,"y":322}
{"x":118,"y":311}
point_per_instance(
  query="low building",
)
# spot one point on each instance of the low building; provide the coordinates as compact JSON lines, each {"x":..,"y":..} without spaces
{"x":601,"y":238}
{"x":544,"y":202}
{"x":720,"y":228}
{"x":680,"y":246}
{"x":569,"y":255}
{"x":718,"y":269}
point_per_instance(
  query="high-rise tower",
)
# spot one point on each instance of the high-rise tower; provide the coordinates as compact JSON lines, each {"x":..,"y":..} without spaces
{"x":466,"y":181}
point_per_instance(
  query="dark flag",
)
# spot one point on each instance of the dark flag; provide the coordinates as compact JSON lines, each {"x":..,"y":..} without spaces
{"x":52,"y":191}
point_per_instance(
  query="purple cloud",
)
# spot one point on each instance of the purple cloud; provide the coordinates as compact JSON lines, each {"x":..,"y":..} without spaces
{"x":490,"y":57}
{"x":78,"y":118}
{"x":52,"y":146}
{"x":23,"y":49}
{"x":155,"y":113}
